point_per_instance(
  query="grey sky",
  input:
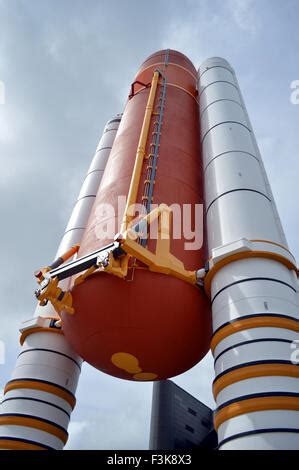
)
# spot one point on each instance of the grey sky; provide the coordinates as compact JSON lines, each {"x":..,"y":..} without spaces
{"x":67,"y":66}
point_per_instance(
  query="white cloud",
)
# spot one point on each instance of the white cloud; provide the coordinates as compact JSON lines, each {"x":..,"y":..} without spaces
{"x":76,"y":431}
{"x":54,"y":48}
{"x":189,"y":33}
{"x":198,"y":381}
{"x":212,"y":29}
{"x":7,"y":130}
{"x":2,"y":92}
{"x":245,"y":15}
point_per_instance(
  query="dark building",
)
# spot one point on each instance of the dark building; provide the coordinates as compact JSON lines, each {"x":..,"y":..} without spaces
{"x":179,"y":420}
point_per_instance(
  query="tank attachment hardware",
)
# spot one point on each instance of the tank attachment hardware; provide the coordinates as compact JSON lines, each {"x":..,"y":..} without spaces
{"x":48,"y":279}
{"x":200,"y":275}
{"x":114,"y":259}
{"x":49,"y":290}
{"x":162,"y":261}
{"x":39,"y":324}
{"x":40,"y":274}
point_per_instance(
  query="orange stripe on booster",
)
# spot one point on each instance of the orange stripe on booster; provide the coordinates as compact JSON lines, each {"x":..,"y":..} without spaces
{"x":259,"y":321}
{"x":36,"y":424}
{"x":249,"y":372}
{"x":244,"y":255}
{"x":255,"y":404}
{"x":19,"y":445}
{"x":30,"y":331}
{"x":43,"y":387}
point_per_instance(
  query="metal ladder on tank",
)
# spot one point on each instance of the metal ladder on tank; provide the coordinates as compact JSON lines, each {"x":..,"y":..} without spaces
{"x":152,"y":157}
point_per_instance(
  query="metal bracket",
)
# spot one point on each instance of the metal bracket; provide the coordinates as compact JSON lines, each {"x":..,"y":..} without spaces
{"x":49,"y":291}
{"x":137,"y":82}
{"x":162,"y":261}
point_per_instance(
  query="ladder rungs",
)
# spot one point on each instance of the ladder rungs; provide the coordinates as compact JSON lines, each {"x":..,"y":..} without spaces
{"x":149,"y":182}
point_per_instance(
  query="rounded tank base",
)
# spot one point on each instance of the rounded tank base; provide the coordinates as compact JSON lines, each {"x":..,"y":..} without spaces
{"x":152,"y":328}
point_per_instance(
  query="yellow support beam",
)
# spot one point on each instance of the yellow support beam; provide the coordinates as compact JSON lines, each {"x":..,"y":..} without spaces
{"x":162,"y":261}
{"x":140,"y":154}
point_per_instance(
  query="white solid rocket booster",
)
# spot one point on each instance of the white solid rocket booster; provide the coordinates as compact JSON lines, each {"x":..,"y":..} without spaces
{"x":39,"y":398}
{"x":252,"y":278}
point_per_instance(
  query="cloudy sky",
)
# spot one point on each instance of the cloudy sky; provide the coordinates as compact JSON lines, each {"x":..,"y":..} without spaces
{"x":66,"y":66}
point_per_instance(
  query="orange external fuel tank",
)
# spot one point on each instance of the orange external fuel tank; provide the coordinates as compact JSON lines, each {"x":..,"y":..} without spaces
{"x":148,"y":326}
